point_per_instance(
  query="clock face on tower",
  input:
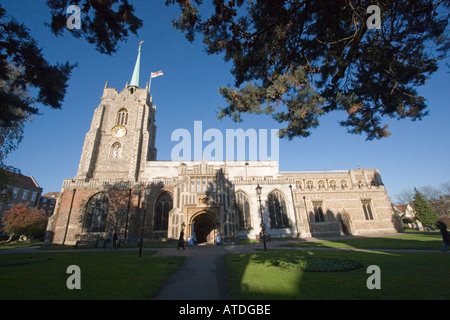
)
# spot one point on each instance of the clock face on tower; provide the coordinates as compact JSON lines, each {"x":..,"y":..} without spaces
{"x":118,"y":131}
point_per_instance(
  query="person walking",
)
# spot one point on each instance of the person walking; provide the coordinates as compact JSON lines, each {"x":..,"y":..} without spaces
{"x":445,"y":236}
{"x":181,"y":241}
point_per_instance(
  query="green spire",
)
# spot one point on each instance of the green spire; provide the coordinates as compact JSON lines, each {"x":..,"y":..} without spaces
{"x":137,"y":67}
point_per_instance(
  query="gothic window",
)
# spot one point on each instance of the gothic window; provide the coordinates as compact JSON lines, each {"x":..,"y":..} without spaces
{"x":116,"y":150}
{"x":243,"y":210}
{"x":344,"y":184}
{"x":318,"y":212}
{"x":309,"y":185}
{"x":163,"y":205}
{"x":203,"y":184}
{"x":96,"y":213}
{"x":367,"y":208}
{"x":122,"y":117}
{"x":277,"y":211}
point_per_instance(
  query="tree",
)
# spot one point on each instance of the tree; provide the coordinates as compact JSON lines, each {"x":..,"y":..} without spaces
{"x":301,"y":59}
{"x":104,"y":23}
{"x":21,"y":220}
{"x":445,"y":188}
{"x":424,"y":211}
{"x":23,"y":68}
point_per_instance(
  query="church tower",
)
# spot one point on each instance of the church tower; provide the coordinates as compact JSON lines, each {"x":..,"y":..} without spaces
{"x":122,"y":134}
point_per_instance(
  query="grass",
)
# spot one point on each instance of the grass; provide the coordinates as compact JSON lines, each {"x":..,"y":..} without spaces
{"x":104,"y":275}
{"x":403,"y":276}
{"x":419,"y":241}
{"x":15,"y":245}
{"x":277,"y":274}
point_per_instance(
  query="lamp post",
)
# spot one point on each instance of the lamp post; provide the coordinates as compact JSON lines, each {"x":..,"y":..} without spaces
{"x":258,"y":192}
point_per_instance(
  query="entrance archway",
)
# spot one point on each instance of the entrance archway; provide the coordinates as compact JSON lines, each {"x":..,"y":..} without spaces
{"x":204,"y":227}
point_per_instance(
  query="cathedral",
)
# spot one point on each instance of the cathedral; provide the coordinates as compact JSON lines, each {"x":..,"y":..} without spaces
{"x":120,"y":185}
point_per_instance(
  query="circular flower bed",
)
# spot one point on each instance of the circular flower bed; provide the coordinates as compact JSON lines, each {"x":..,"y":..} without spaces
{"x":318,"y":265}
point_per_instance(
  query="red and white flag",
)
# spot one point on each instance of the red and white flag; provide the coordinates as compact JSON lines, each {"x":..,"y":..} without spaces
{"x":156,"y":74}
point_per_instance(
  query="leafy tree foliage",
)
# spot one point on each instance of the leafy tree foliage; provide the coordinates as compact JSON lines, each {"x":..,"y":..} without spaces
{"x":21,"y":220}
{"x":425,"y":212}
{"x":104,"y":23}
{"x":23,"y":68}
{"x":300,"y":59}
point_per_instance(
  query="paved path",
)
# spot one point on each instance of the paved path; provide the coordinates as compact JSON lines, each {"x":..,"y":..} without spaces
{"x":201,"y":277}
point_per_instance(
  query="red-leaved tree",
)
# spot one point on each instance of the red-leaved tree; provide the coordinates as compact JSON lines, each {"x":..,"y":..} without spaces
{"x":21,"y":220}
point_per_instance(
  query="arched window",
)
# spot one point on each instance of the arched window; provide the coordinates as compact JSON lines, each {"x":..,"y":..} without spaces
{"x":122,"y":117}
{"x":367,"y":208}
{"x":332,"y":184}
{"x":163,"y":205}
{"x":96,"y":213}
{"x":277,"y":211}
{"x":243,"y":210}
{"x":309,"y":185}
{"x":321,"y":184}
{"x":116,"y":150}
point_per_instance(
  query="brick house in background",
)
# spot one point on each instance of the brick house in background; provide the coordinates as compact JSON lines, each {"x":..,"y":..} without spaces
{"x":24,"y":189}
{"x":47,"y":202}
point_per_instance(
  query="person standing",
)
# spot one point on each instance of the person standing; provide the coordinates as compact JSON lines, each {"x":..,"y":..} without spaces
{"x":445,"y":236}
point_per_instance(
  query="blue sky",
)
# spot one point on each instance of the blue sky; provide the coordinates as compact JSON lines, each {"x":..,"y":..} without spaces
{"x":416,"y":154}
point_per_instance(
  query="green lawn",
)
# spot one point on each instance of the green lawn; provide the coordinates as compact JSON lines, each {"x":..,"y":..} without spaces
{"x":421,"y":241}
{"x":271,"y":275}
{"x":104,"y":275}
{"x":15,"y":245}
{"x":403,"y":276}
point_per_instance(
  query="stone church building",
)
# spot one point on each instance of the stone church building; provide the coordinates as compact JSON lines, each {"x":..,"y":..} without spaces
{"x":120,"y":185}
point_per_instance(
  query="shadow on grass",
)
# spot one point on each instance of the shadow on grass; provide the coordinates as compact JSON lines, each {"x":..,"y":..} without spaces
{"x":403,"y":276}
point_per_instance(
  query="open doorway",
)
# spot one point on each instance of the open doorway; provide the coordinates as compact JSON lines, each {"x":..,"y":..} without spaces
{"x":204,"y":227}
